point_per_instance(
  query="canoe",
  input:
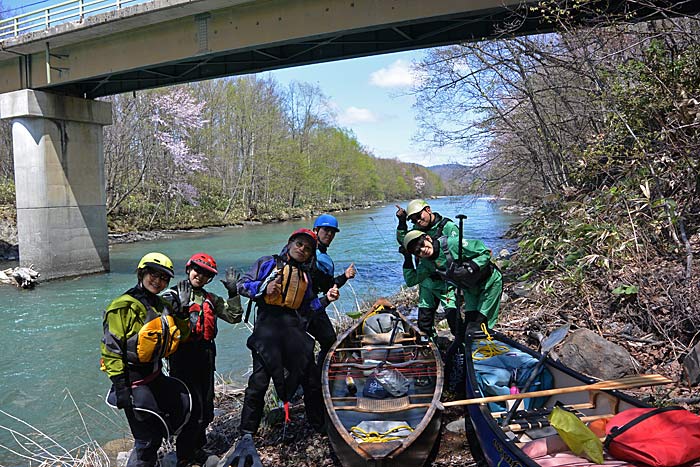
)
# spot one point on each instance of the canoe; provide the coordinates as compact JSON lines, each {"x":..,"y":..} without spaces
{"x":506,"y":442}
{"x":398,"y":430}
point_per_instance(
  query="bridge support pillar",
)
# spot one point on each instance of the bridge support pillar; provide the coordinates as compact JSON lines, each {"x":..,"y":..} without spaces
{"x":59,"y":180}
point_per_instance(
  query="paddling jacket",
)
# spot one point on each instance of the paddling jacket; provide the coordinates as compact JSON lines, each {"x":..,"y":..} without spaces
{"x":204,"y":310}
{"x":442,"y":226}
{"x":139,"y":330}
{"x":253,"y":284}
{"x":323,"y":271}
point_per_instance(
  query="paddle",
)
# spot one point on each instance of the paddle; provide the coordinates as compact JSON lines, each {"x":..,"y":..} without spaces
{"x":622,"y":383}
{"x":547,"y":344}
{"x":455,"y":358}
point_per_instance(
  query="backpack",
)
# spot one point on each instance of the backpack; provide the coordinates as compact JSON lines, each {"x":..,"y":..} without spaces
{"x":465,"y":273}
{"x":663,"y":437}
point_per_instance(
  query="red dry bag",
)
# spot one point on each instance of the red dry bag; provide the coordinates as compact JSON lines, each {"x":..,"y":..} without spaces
{"x":663,"y":437}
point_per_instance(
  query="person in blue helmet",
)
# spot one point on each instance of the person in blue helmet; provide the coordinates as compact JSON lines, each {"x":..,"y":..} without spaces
{"x":324,"y":278}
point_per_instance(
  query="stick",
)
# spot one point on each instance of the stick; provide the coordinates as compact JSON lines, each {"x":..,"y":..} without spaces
{"x":622,"y":383}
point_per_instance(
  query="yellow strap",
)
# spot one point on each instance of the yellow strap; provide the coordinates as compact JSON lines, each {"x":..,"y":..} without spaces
{"x":487,"y":348}
{"x":376,"y":437}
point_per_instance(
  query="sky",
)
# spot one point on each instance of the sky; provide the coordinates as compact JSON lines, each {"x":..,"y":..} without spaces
{"x":369,"y":96}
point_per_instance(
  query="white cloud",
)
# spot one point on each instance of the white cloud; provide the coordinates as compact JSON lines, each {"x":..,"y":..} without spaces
{"x":396,"y":75}
{"x":354,"y":115}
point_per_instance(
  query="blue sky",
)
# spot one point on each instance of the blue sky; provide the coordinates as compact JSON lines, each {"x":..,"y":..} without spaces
{"x":368,"y":95}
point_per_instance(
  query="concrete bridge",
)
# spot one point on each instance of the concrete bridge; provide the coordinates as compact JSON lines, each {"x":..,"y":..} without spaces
{"x":55,"y":62}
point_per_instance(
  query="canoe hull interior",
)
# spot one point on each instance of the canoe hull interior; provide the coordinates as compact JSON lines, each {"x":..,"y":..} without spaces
{"x":395,"y":431}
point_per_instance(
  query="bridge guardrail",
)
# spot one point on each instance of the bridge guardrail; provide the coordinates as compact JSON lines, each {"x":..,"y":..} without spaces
{"x":64,"y":12}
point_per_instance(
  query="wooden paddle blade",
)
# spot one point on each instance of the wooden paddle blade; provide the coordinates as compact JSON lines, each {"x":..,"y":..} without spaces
{"x":627,"y":382}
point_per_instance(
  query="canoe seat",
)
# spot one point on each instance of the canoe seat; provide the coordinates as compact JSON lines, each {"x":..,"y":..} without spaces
{"x":382,"y":405}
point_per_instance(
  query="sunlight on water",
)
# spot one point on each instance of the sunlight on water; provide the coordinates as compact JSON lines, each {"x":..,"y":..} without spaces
{"x":50,"y":336}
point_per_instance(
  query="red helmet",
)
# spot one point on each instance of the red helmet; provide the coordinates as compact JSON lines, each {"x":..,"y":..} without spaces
{"x":309,"y":233}
{"x":202,"y":260}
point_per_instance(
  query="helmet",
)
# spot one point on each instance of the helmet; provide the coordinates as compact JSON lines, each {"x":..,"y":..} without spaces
{"x":326,"y":220}
{"x":202,"y":260}
{"x":416,"y":206}
{"x":157,"y":261}
{"x":410,"y":237}
{"x":309,"y":233}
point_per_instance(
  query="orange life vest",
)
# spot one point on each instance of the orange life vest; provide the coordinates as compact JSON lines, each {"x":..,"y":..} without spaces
{"x":203,"y":320}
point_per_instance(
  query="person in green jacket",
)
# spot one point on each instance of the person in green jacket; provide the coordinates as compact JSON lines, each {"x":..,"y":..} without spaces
{"x":478,"y":278}
{"x":194,"y":361}
{"x":140,"y":329}
{"x":432,"y":289}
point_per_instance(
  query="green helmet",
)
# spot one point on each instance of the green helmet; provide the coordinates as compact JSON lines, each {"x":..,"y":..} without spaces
{"x":416,"y":206}
{"x":410,"y":237}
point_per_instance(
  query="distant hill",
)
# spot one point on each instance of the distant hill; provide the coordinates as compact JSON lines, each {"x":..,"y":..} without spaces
{"x":455,"y":176}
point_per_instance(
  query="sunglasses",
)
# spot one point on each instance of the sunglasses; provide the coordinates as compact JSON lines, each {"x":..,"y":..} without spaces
{"x":202,"y":271}
{"x":420,"y":243}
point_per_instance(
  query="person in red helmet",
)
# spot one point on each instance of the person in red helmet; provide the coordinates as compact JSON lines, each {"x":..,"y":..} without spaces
{"x":281,"y":287}
{"x":194,"y":362}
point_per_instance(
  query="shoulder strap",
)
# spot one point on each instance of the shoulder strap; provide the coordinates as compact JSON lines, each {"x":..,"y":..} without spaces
{"x":445,"y":249}
{"x":441,"y":225}
{"x":618,"y":430}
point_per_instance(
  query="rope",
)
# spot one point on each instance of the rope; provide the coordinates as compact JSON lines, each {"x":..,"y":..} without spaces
{"x":487,"y":348}
{"x":376,"y":437}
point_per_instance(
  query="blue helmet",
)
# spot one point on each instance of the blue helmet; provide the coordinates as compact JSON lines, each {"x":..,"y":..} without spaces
{"x":326,"y":220}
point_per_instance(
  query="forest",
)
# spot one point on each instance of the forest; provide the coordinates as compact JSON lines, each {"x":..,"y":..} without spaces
{"x":223,"y":151}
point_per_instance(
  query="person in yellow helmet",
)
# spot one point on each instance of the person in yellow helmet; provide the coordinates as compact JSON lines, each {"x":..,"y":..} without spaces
{"x":432,"y":289}
{"x":140,"y":329}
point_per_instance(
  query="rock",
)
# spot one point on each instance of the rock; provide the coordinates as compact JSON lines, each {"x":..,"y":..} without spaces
{"x":522,"y":290}
{"x":588,"y":353}
{"x":504,"y":253}
{"x":691,"y":365}
{"x":456,"y":426}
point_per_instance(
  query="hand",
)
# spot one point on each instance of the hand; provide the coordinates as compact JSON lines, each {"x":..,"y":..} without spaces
{"x":401,"y":213}
{"x":122,"y":391}
{"x":350,"y":272}
{"x":184,"y":291}
{"x":274,"y":288}
{"x":333,"y":293}
{"x":231,"y":280}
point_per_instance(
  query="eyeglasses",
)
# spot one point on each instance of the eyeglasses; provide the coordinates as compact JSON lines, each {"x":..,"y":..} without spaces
{"x":303,"y":246}
{"x":159,"y":275}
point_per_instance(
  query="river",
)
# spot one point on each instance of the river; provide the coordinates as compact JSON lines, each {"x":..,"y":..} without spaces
{"x":49,"y":339}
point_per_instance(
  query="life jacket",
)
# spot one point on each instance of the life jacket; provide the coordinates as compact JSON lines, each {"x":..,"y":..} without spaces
{"x":465,"y":273}
{"x":158,"y":338}
{"x":294,"y":285}
{"x":203,"y":320}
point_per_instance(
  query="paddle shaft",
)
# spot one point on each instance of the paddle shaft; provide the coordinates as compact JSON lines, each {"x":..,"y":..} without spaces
{"x":622,"y":383}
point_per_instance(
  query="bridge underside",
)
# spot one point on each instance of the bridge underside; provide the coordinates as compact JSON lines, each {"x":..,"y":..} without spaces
{"x":195,"y":43}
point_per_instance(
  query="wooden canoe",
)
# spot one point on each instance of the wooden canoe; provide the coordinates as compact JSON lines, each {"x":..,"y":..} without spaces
{"x":528,"y":431}
{"x":356,"y":355}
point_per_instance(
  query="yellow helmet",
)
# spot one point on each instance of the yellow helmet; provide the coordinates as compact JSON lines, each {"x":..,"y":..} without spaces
{"x":157,"y":261}
{"x":410,"y":237}
{"x":415,"y":206}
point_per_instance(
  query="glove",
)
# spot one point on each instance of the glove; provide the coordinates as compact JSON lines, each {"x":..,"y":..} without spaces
{"x":402,"y":216}
{"x":184,"y":292}
{"x":230,"y":281}
{"x":243,"y":454}
{"x":407,"y":258}
{"x":123,"y":392}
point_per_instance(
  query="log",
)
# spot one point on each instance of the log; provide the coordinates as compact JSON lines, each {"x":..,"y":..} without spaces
{"x":25,"y":278}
